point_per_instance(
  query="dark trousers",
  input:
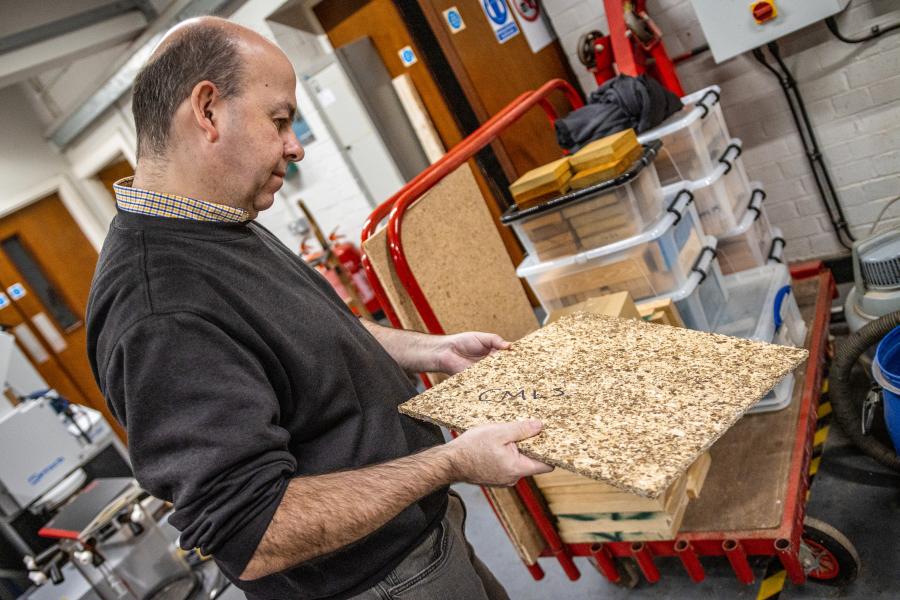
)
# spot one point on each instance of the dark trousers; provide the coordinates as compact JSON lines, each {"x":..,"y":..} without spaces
{"x":443,"y":567}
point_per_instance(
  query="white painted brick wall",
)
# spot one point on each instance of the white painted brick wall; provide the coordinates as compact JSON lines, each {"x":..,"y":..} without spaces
{"x":853,"y":96}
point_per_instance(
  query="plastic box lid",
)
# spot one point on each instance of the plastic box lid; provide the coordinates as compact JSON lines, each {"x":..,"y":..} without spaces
{"x":513,"y":213}
{"x":702,"y":101}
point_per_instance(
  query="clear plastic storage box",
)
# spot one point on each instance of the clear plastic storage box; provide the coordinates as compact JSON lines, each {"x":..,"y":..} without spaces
{"x":703,"y":296}
{"x":693,"y":138}
{"x":722,"y":195}
{"x":592,"y":217}
{"x":753,"y":243}
{"x":762,"y":307}
{"x":653,"y":263}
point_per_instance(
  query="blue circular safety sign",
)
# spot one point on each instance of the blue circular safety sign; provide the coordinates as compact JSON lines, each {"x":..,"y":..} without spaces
{"x":496,"y":10}
{"x":454,"y":19}
{"x":408,"y":55}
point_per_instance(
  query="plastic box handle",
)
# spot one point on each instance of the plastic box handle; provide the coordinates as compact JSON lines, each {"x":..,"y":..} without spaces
{"x":702,"y":102}
{"x":780,"y":295}
{"x":729,"y":163}
{"x":773,"y":254}
{"x":704,"y":271}
{"x":671,"y":208}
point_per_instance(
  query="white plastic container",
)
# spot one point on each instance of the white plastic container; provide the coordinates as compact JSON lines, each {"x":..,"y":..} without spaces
{"x":592,"y":217}
{"x":653,"y":263}
{"x":693,"y":138}
{"x":722,"y":194}
{"x":704,"y":295}
{"x":762,"y":307}
{"x":754,"y":242}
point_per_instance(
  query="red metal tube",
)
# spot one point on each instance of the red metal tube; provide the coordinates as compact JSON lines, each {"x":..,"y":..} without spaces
{"x":665,"y":69}
{"x":790,"y":560}
{"x":644,"y":558}
{"x":738,"y":559}
{"x":536,"y":571}
{"x":605,"y":563}
{"x":548,"y":531}
{"x":431,"y":176}
{"x":690,"y":560}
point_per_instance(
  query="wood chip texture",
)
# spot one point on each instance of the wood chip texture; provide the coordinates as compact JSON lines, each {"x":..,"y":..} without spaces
{"x":627,"y":403}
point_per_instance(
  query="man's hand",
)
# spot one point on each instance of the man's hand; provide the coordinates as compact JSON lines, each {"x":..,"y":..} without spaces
{"x":487,"y":454}
{"x":457,"y":352}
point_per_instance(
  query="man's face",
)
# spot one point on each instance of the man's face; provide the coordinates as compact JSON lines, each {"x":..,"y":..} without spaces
{"x":259,"y":140}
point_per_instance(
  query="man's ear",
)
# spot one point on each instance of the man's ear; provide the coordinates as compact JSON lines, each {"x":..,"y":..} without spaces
{"x":205,"y":102}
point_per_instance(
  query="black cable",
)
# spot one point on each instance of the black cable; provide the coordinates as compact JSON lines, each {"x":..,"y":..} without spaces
{"x":810,"y":144}
{"x":876,"y":32}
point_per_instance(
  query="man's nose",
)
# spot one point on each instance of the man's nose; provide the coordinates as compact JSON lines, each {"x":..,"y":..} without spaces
{"x":293,"y":150}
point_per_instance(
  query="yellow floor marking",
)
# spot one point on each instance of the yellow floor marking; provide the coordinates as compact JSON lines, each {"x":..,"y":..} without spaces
{"x":814,"y":465}
{"x":824,"y":409}
{"x":825,"y":386}
{"x":771,"y":585}
{"x":821,"y":436}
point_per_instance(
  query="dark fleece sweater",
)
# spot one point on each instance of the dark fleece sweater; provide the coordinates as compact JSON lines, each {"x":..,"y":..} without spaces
{"x":235,"y":367}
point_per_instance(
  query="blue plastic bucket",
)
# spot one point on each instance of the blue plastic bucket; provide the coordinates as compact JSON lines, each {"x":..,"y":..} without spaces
{"x":886,"y":370}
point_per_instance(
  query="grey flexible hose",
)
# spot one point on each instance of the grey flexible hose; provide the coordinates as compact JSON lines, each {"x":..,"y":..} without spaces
{"x":846,"y":411}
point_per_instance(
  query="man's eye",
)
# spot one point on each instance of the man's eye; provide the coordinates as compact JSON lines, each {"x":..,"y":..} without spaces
{"x":281,"y":123}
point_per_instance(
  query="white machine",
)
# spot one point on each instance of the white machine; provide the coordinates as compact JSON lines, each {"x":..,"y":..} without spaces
{"x":732,"y":27}
{"x":876,"y":279}
{"x":42,"y":453}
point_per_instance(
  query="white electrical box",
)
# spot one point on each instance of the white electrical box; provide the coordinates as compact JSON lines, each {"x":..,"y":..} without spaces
{"x":735,"y":26}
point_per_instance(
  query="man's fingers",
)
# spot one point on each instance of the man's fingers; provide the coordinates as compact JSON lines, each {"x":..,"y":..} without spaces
{"x":520,"y":430}
{"x":530,"y":466}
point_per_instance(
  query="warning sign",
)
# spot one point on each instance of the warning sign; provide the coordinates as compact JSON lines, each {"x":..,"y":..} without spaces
{"x":501,"y":19}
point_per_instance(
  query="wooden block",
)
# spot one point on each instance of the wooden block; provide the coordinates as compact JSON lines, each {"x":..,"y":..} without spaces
{"x":625,"y":402}
{"x":696,"y":475}
{"x":665,"y":305}
{"x":661,"y":521}
{"x":603,"y":172}
{"x":603,"y":238}
{"x":605,"y":150}
{"x":591,"y":204}
{"x":585,"y":227}
{"x":616,"y":536}
{"x":546,"y":232}
{"x":625,"y":275}
{"x":540,"y":221}
{"x":619,"y":304}
{"x":559,"y":239}
{"x":584,"y":499}
{"x":552,"y":175}
{"x":529,"y":201}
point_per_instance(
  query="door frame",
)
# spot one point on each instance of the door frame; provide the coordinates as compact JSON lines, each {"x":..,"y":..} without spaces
{"x":109,"y":140}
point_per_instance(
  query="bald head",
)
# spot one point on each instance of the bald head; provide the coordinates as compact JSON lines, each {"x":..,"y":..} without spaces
{"x":202,"y":49}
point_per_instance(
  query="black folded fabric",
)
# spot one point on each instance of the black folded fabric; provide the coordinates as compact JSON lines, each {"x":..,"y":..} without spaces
{"x":638,"y":103}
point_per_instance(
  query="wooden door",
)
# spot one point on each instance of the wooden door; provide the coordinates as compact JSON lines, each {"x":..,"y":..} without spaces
{"x":111,"y":173}
{"x":46,"y":267}
{"x":345,"y":21}
{"x":493,"y":74}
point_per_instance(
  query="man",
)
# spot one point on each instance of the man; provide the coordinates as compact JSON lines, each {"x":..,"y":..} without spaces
{"x":253,"y":399}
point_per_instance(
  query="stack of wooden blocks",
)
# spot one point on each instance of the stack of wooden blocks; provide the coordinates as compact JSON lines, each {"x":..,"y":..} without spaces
{"x":587,"y":224}
{"x":589,"y":511}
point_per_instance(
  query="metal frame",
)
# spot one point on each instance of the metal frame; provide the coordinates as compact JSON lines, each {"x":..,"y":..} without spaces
{"x":782,"y":541}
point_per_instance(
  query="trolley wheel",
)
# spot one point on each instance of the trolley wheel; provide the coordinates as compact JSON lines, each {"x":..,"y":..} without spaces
{"x":828,"y":557}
